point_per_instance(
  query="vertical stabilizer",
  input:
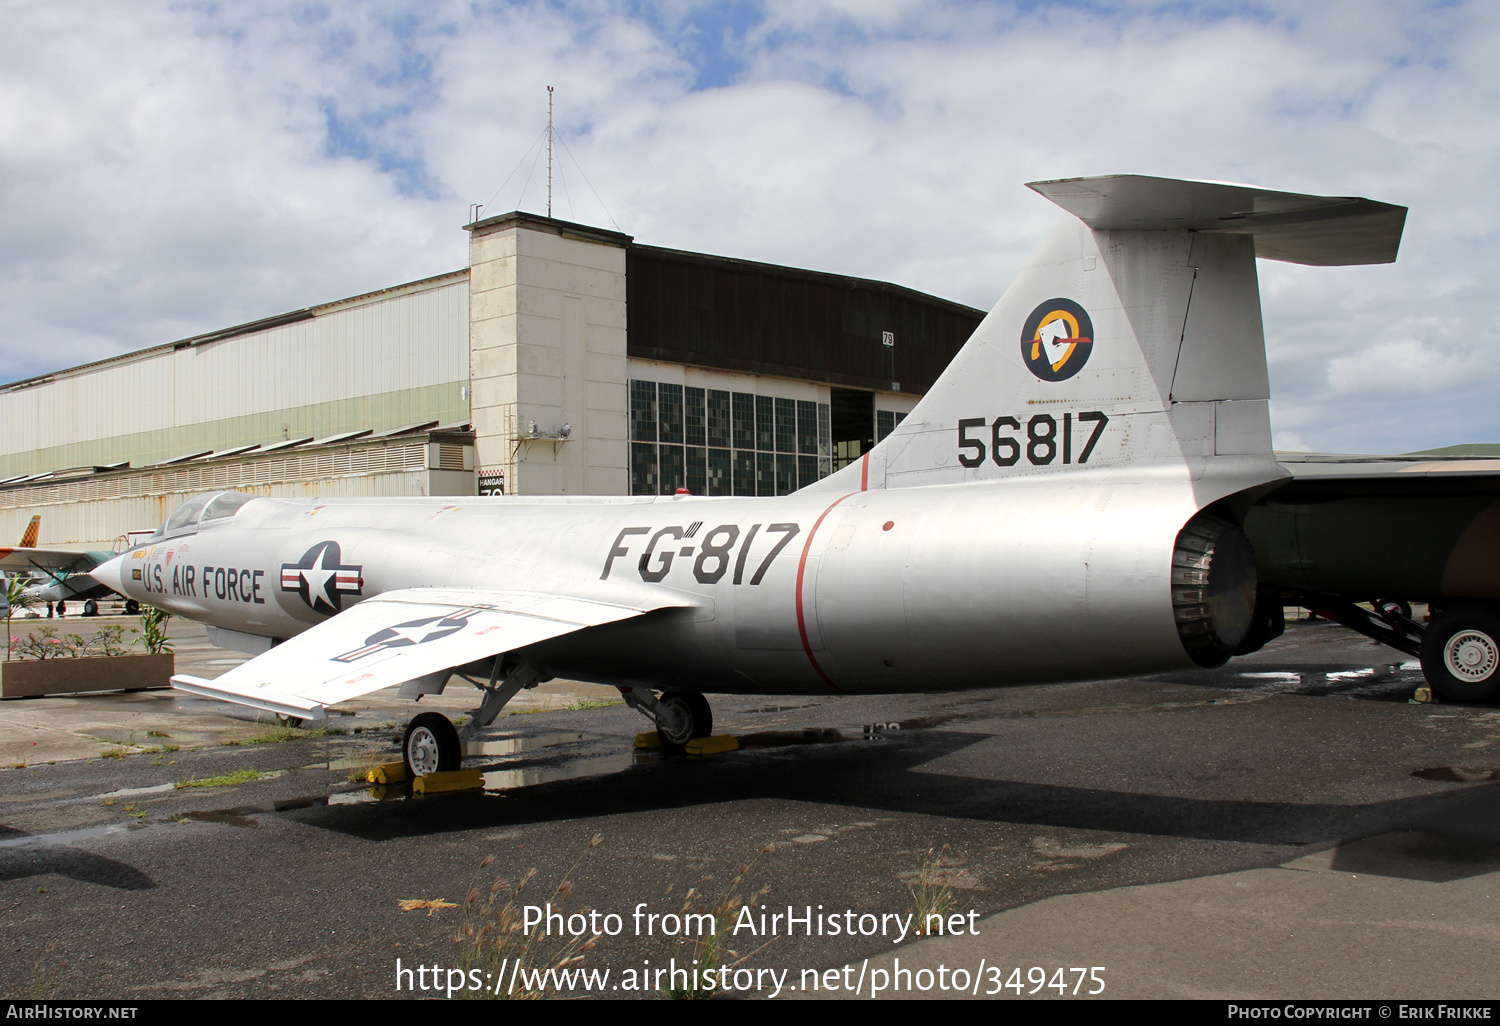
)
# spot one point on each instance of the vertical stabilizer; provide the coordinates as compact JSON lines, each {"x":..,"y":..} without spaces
{"x":1131,"y":342}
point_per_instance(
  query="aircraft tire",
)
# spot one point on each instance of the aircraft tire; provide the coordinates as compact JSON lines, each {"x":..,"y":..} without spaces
{"x":1461,"y":655}
{"x":91,"y":608}
{"x":430,"y":745}
{"x":132,"y":607}
{"x":694,"y":711}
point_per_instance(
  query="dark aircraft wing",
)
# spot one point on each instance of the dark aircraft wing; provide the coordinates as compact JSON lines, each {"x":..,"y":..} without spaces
{"x":23,"y":559}
{"x":1382,"y":527}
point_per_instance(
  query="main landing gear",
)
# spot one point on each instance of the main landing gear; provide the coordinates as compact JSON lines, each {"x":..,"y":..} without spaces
{"x":680,"y":716}
{"x":432,"y":744}
{"x":1459,"y":649}
{"x":1461,"y":654}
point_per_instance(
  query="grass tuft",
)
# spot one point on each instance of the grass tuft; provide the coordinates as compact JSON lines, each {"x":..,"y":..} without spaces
{"x":239,"y":776}
{"x":275,"y":736}
{"x":492,"y":939}
{"x":931,"y":891}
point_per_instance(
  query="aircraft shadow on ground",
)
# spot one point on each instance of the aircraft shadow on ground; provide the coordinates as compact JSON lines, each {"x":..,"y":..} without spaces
{"x":886,"y":777}
{"x":40,"y":859}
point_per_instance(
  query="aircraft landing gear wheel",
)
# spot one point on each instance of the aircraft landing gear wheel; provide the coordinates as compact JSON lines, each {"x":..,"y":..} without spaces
{"x":1461,"y":655}
{"x":431,"y":745}
{"x":132,"y":607}
{"x":91,"y":608}
{"x":692,"y":715}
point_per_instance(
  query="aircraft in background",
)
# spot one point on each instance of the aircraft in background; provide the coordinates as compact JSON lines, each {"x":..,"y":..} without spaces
{"x":60,"y":575}
{"x":1067,"y":502}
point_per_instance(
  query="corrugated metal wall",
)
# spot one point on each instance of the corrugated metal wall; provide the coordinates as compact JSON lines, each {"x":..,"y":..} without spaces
{"x":408,"y":352}
{"x":93,"y":511}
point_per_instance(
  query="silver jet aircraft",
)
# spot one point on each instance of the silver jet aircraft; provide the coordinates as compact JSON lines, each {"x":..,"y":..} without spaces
{"x":1064,"y":504}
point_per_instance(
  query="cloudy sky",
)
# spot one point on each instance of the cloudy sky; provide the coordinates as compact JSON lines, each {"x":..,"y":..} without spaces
{"x":168,"y":168}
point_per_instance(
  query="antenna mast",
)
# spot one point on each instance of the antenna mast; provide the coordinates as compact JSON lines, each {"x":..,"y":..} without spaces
{"x":549,"y":151}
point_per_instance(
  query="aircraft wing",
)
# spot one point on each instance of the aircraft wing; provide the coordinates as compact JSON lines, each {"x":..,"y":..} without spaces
{"x":396,"y":637}
{"x":1419,"y":528}
{"x":22,"y":559}
{"x":1317,"y":474}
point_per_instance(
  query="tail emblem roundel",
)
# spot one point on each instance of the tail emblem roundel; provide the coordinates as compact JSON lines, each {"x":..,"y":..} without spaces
{"x":1057,"y":339}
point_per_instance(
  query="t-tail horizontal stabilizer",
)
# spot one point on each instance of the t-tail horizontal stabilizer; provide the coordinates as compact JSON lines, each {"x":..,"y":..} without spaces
{"x":1131,"y":344}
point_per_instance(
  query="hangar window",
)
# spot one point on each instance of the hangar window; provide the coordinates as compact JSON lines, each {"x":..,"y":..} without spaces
{"x":643,"y":411}
{"x":642,"y":468}
{"x":717,"y":442}
{"x":885,"y":423}
{"x":744,"y":420}
{"x":786,"y":425}
{"x":669,"y":413}
{"x":693,"y":417}
{"x":765,"y":423}
{"x":718,"y":418}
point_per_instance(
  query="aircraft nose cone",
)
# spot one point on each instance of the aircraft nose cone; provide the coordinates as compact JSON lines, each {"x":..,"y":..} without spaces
{"x":111,"y":574}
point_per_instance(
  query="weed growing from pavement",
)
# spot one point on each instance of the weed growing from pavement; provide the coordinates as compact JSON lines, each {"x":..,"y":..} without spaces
{"x":931,"y":891}
{"x":275,"y":736}
{"x":493,"y":939}
{"x":713,"y":952}
{"x":592,"y":703}
{"x":239,"y":776}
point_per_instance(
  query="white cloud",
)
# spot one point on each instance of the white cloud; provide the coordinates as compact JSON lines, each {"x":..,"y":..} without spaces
{"x":169,"y":168}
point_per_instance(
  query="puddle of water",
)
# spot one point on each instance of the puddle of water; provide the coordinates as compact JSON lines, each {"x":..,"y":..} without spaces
{"x":514,"y":745}
{"x":1273,"y":675}
{"x":1459,"y":774}
{"x":68,"y":836}
{"x":784,"y":738}
{"x":500,"y":779}
{"x":239,"y":817}
{"x":377,"y":793}
{"x":505,"y":779}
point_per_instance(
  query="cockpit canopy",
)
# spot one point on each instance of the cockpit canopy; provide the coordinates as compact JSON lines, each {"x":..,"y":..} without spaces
{"x":200,"y":510}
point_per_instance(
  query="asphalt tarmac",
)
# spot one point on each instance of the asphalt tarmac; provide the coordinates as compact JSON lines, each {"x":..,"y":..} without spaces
{"x":1290,"y":826}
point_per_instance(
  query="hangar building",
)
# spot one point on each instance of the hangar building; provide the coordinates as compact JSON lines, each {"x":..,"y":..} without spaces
{"x":564,"y":359}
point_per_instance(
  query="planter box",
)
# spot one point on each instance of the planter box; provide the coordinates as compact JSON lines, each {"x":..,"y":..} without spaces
{"x":28,"y":678}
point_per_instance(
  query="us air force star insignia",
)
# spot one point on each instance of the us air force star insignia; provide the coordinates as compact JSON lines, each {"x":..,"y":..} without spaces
{"x":413,"y":632}
{"x":321,"y":579}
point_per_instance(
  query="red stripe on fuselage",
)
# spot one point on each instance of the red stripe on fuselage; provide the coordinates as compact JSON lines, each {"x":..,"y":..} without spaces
{"x":801,"y":570}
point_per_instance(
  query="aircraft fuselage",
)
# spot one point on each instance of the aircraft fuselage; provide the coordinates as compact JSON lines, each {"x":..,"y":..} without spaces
{"x":927,"y":588}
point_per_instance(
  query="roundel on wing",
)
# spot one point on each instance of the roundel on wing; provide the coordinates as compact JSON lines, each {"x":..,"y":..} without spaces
{"x":1056,"y":339}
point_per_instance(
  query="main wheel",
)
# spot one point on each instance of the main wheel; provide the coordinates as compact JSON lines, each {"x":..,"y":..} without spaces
{"x":1461,"y":654}
{"x":431,"y":745}
{"x":691,"y":715}
{"x":91,"y":608}
{"x":132,"y":607}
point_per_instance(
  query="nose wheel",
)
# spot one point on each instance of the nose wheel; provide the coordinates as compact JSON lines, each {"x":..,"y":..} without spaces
{"x":430,"y":745}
